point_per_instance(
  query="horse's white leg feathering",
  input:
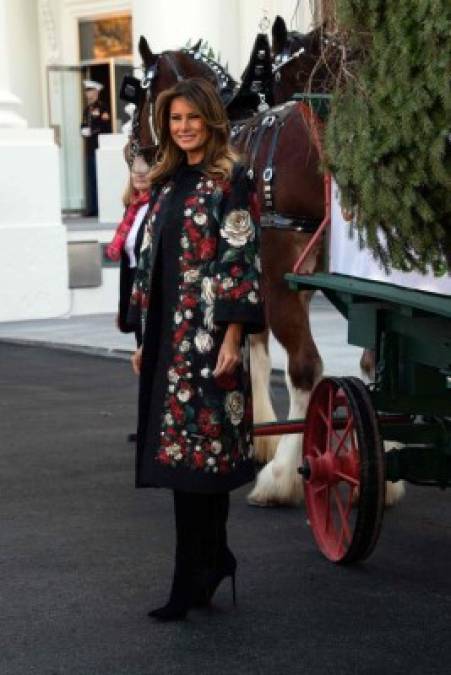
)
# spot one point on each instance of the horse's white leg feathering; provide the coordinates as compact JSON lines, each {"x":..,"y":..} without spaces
{"x":279,"y":481}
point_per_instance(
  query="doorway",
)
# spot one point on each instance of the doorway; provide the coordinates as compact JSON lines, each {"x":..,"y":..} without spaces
{"x":66,"y":103}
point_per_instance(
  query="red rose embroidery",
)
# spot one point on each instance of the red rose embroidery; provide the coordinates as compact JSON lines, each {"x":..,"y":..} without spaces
{"x":240,"y":290}
{"x":199,"y":460}
{"x":176,"y":410}
{"x":206,"y":248}
{"x":163,"y":458}
{"x":189,"y":302}
{"x":193,"y":234}
{"x":236,"y":271}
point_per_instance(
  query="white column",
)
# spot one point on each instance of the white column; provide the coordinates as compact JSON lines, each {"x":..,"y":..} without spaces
{"x":33,"y":251}
{"x":169,"y":25}
{"x":8,"y":101}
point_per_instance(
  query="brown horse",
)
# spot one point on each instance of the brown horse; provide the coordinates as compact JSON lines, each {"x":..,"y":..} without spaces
{"x":302,"y":62}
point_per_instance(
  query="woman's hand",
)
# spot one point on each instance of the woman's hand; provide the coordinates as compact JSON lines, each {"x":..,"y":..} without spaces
{"x":137,"y":360}
{"x":229,"y":353}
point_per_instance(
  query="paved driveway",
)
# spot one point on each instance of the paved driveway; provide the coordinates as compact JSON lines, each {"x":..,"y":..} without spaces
{"x":84,"y":555}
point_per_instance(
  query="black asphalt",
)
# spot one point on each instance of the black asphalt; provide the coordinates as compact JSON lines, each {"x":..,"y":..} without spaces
{"x":83,"y":555}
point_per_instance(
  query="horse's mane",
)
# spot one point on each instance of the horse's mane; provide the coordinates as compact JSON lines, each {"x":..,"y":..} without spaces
{"x":227,"y":86}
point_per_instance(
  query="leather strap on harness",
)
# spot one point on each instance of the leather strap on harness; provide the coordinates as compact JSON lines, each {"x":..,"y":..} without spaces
{"x":270,"y":218}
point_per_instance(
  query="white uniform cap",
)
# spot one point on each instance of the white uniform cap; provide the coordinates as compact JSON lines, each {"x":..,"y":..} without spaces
{"x":92,"y":84}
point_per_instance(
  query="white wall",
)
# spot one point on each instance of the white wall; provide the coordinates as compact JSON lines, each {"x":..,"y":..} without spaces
{"x":33,"y":255}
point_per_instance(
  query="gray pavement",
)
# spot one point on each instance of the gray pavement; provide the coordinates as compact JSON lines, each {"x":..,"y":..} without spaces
{"x":100,"y":334}
{"x":84,"y":555}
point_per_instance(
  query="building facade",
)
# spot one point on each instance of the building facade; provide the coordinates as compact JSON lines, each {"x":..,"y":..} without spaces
{"x":47,"y":47}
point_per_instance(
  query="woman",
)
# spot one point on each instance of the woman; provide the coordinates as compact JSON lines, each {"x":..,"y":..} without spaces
{"x":127,"y":240}
{"x":198,"y":288}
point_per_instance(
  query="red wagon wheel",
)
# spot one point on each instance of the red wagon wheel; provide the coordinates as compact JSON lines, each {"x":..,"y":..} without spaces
{"x":343,"y":470}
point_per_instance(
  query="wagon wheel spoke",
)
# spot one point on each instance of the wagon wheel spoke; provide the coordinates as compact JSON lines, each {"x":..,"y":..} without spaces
{"x":319,"y":488}
{"x":349,"y":427}
{"x":347,"y":478}
{"x":345,"y":532}
{"x":317,"y":450}
{"x":328,"y":419}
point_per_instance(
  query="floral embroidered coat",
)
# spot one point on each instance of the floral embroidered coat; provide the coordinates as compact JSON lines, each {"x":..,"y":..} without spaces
{"x":199,"y":271}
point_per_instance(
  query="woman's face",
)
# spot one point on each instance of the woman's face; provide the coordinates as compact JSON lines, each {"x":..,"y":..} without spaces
{"x":187,"y":128}
{"x":140,"y":175}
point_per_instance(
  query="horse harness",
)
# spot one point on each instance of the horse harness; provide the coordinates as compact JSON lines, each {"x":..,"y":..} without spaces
{"x":274,"y":120}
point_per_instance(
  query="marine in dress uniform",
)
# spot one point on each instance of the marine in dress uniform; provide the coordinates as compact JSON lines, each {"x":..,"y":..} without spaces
{"x":96,"y":120}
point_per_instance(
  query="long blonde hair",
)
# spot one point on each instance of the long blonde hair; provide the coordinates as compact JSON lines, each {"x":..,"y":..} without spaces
{"x":219,"y":155}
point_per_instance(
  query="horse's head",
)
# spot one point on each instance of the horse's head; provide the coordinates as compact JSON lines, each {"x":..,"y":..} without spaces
{"x":302,"y":62}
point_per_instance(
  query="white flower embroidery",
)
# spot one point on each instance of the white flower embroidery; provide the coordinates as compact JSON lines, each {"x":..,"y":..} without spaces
{"x":184,"y":395}
{"x":184,"y":241}
{"x":200,"y":218}
{"x":234,"y":406}
{"x":178,"y":317}
{"x":185,"y":346}
{"x":216,"y":447}
{"x":190,"y":276}
{"x":238,"y":228}
{"x":188,"y":212}
{"x":227,"y":283}
{"x":169,"y":420}
{"x":205,"y":372}
{"x":252,"y":297}
{"x":258,"y":263}
{"x":173,"y":376}
{"x":189,"y":314}
{"x":208,"y":317}
{"x":173,"y":449}
{"x":203,"y":341}
{"x":208,"y":290}
{"x":211,"y":461}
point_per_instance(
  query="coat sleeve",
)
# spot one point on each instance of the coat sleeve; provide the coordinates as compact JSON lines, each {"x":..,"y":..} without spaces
{"x":238,"y":267}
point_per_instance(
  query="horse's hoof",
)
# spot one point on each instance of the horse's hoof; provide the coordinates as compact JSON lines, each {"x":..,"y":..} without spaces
{"x":394,"y":492}
{"x":257,"y":501}
{"x":277,"y":486}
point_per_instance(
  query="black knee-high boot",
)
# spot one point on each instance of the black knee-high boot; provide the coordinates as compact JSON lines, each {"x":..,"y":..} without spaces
{"x":188,"y":546}
{"x":219,"y":560}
